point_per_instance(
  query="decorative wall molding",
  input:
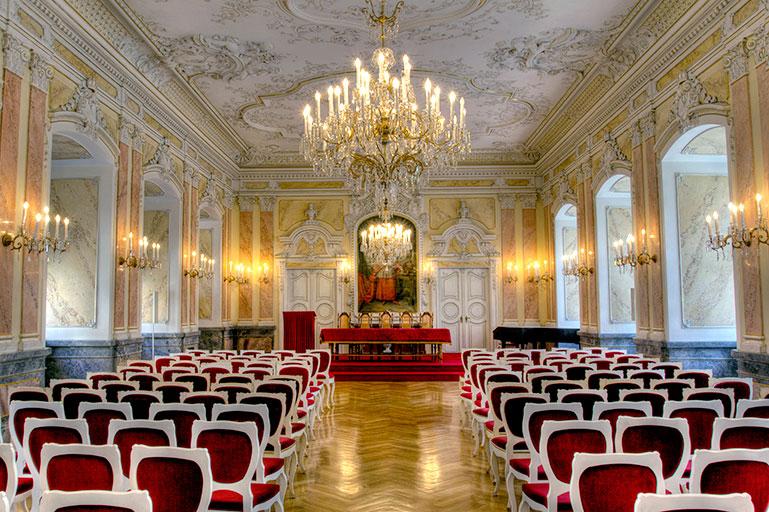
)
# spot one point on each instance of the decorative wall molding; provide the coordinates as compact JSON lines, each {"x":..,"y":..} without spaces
{"x":507,"y":202}
{"x":41,"y":72}
{"x":312,"y":240}
{"x":266,"y":203}
{"x":16,"y":56}
{"x":162,"y":157}
{"x":466,"y":239}
{"x":736,"y":61}
{"x":85,"y":103}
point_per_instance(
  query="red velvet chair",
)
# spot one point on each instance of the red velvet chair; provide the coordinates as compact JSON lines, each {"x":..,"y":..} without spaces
{"x":656,"y":397}
{"x":746,"y":433}
{"x":648,"y":376}
{"x":80,"y":467}
{"x":19,"y":412}
{"x":585,"y":397}
{"x":668,"y":368}
{"x":232,"y":389}
{"x":171,"y":392}
{"x":162,"y":362}
{"x":111,"y":388}
{"x":701,"y":378}
{"x":29,"y":394}
{"x":693,"y":502}
{"x":613,"y":387}
{"x":753,"y":408}
{"x":725,"y":395}
{"x":127,"y":434}
{"x":625,"y":368}
{"x":538,"y":381}
{"x":146,"y":380}
{"x":236,"y":455}
{"x":176,"y":478}
{"x":101,"y":501}
{"x":595,"y":478}
{"x":559,"y":442}
{"x":72,"y":398}
{"x":742,"y":387}
{"x":578,"y":372}
{"x":146,"y":365}
{"x":214,"y":370}
{"x":140,"y":402}
{"x":170,"y":373}
{"x":595,"y":377}
{"x":99,"y":415}
{"x":324,"y":372}
{"x":98,"y":377}
{"x":201,"y":382}
{"x":235,"y":378}
{"x":701,"y":415}
{"x":674,"y":387}
{"x":57,"y":385}
{"x":612,"y":411}
{"x":669,"y":437}
{"x":183,"y":416}
{"x":732,"y":471}
{"x":16,"y":489}
{"x":207,"y":398}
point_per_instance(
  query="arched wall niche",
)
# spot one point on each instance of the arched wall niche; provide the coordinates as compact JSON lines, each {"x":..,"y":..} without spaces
{"x":80,"y":283}
{"x":210,"y":244}
{"x":162,"y":215}
{"x":700,"y":289}
{"x":616,"y":288}
{"x":566,"y":245}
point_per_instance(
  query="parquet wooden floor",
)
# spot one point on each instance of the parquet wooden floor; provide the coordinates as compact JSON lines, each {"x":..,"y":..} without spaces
{"x":394,"y":446}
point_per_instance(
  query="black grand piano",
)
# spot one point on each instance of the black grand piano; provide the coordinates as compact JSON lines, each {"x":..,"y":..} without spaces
{"x":536,"y":337}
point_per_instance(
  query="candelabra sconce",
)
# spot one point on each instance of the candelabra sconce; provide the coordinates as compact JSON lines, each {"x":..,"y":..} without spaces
{"x":264,"y":273}
{"x":41,"y":240}
{"x":344,"y":272}
{"x":512,"y":273}
{"x":202,"y":267}
{"x":538,"y":274}
{"x":577,"y":265}
{"x":237,"y":274}
{"x":428,"y":273}
{"x":738,"y":234}
{"x":147,"y":257}
{"x":626,"y":256}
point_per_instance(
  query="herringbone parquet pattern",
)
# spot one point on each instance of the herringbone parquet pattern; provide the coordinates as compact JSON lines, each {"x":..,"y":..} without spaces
{"x":393,"y":446}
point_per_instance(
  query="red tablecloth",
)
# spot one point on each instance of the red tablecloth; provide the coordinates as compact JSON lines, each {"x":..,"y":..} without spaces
{"x":385,"y":335}
{"x":299,"y":330}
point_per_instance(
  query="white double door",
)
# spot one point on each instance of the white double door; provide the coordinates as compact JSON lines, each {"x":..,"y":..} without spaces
{"x":463,"y":306}
{"x":312,"y":290}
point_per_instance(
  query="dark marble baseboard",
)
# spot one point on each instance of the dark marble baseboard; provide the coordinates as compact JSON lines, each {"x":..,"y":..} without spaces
{"x":712,"y":355}
{"x":616,"y":341}
{"x":752,"y":364}
{"x":255,"y":337}
{"x":75,"y":358}
{"x":169,"y":343}
{"x":25,"y":368}
{"x":215,"y":338}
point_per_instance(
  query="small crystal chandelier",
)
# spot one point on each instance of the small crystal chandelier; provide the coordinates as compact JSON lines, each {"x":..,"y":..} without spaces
{"x":385,"y":243}
{"x":377,"y":132}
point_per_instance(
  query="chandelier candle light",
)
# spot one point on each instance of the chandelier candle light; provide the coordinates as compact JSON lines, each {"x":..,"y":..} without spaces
{"x":576,"y":264}
{"x":625,"y":256}
{"x":237,"y":274}
{"x":41,"y":240}
{"x":512,"y":273}
{"x":202,"y":266}
{"x":538,"y":274}
{"x":738,"y":234}
{"x":148,"y":254}
{"x":375,"y":130}
{"x":385,"y":243}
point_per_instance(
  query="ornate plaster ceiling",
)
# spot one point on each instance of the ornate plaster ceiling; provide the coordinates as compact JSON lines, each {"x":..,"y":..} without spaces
{"x":259,"y":61}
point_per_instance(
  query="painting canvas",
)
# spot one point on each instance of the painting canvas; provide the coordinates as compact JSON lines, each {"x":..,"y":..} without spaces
{"x":388,"y":289}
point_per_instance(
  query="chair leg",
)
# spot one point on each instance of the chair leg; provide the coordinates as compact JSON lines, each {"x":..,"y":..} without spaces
{"x":510,"y":485}
{"x":292,"y":473}
{"x":494,"y":466}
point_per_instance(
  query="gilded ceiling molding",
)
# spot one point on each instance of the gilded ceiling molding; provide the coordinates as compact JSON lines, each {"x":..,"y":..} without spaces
{"x":736,"y":61}
{"x":16,"y":56}
{"x":41,"y":72}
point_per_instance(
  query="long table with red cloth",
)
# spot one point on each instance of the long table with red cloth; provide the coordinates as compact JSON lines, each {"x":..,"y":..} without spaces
{"x":387,"y":342}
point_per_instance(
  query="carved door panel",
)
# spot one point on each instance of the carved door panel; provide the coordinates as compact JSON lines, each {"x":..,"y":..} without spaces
{"x":449,"y":312}
{"x":312,"y":290}
{"x":297,"y":290}
{"x":463,"y":306}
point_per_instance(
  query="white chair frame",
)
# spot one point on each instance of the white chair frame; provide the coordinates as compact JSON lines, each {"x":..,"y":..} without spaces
{"x":136,"y":501}
{"x":721,"y":425}
{"x":743,"y":406}
{"x":725,"y":391}
{"x":109,"y":453}
{"x":737,"y":502}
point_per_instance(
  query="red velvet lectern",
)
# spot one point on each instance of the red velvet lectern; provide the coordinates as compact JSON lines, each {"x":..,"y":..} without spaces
{"x":299,"y":330}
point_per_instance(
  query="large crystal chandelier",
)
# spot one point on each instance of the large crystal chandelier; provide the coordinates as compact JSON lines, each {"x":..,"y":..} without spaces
{"x":385,"y":243}
{"x":376,"y":134}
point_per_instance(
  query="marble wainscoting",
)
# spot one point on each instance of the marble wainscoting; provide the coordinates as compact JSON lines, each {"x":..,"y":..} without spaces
{"x":619,"y":223}
{"x":215,"y":338}
{"x":205,"y":286}
{"x":26,"y":368}
{"x":156,"y":224}
{"x":169,"y":343}
{"x":75,"y":358}
{"x":755,"y":366}
{"x":570,"y":284}
{"x":616,"y":341}
{"x":253,"y":337}
{"x":712,"y":355}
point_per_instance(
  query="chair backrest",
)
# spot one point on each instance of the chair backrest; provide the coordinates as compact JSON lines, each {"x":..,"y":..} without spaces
{"x":535,"y":415}
{"x":725,"y":395}
{"x":667,"y":436}
{"x":162,"y":362}
{"x":29,"y":394}
{"x":674,"y":387}
{"x":561,"y":440}
{"x":171,"y":392}
{"x":200,"y":381}
{"x":215,"y":370}
{"x":98,"y":417}
{"x":613,"y":386}
{"x":183,"y":416}
{"x":344,"y":320}
{"x":302,"y":372}
{"x":236,"y":455}
{"x":595,"y":477}
{"x":233,"y":389}
{"x":668,"y":368}
{"x":255,"y":414}
{"x":747,"y":433}
{"x":512,"y":407}
{"x":612,"y":411}
{"x":647,"y":376}
{"x":171,"y":372}
{"x":207,"y":398}
{"x":57,"y":385}
{"x":80,"y":467}
{"x":585,"y":397}
{"x":690,"y":502}
{"x":578,"y":372}
{"x":113,"y":387}
{"x":406,"y":319}
{"x":18,"y":414}
{"x":146,"y":380}
{"x":538,"y":381}
{"x":140,"y":402}
{"x":176,"y":478}
{"x":364,"y":320}
{"x":8,"y":471}
{"x":742,"y":387}
{"x":142,"y":364}
{"x":701,"y":378}
{"x":701,"y":415}
{"x":753,"y":408}
{"x":656,"y":397}
{"x":128,"y":433}
{"x":595,"y":377}
{"x":39,"y":431}
{"x":235,"y":378}
{"x":72,"y":398}
{"x":102,"y":501}
{"x":285,"y":388}
{"x":385,"y":320}
{"x":325,"y":359}
{"x":426,"y":320}
{"x":730,"y":471}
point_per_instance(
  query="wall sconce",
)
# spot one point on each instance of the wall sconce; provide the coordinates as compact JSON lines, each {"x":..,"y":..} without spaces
{"x":626,"y":257}
{"x":428,"y":273}
{"x":148,"y":255}
{"x":202,"y":267}
{"x":538,"y":274}
{"x":237,"y":274}
{"x":264,"y":273}
{"x":577,"y":264}
{"x":738,"y":234}
{"x":512,"y":273}
{"x":40,"y":241}
{"x":344,"y":272}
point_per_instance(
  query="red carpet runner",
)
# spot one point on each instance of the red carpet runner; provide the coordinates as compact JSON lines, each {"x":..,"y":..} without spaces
{"x":450,"y":369}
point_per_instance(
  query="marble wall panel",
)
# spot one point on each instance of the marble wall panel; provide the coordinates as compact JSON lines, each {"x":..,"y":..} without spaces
{"x":121,"y":212}
{"x":134,"y":307}
{"x":206,"y":290}
{"x":570,"y":285}
{"x":641,"y":273}
{"x":156,"y":229}
{"x":707,"y":285}
{"x":656,"y":293}
{"x":71,"y":283}
{"x":509,"y":299}
{"x":266,"y":236}
{"x":531,"y":297}
{"x":246,"y":232}
{"x":619,"y":223}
